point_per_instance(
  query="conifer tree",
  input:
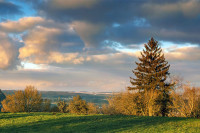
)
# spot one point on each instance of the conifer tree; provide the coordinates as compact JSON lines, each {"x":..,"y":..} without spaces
{"x":151,"y":73}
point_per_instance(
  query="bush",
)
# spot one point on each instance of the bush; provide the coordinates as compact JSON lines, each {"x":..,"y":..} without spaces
{"x":62,"y":105}
{"x":78,"y":106}
{"x":109,"y":110}
{"x":92,"y":108}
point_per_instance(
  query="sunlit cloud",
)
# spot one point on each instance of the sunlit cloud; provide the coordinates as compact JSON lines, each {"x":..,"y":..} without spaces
{"x":92,"y":45}
{"x":21,"y":25}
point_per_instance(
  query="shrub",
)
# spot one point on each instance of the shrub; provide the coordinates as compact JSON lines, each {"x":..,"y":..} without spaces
{"x":78,"y":106}
{"x":62,"y":105}
{"x":109,"y":110}
{"x":92,"y":108}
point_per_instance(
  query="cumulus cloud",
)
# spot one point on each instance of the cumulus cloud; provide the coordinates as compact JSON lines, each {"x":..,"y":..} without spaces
{"x":20,"y":25}
{"x":8,"y":54}
{"x":43,"y":45}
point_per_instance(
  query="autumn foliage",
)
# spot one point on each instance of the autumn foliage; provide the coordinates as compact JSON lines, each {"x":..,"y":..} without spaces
{"x":153,"y":93}
{"x":79,"y":106}
{"x":28,"y":100}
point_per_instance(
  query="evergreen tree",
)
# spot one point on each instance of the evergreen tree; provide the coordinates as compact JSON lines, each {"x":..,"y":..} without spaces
{"x":151,"y":73}
{"x":2,"y":97}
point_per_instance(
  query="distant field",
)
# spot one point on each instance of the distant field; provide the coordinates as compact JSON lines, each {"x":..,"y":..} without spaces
{"x":49,"y":123}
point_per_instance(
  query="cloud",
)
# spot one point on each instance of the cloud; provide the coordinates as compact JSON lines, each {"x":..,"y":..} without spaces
{"x":43,"y":45}
{"x":91,"y":24}
{"x":70,"y":4}
{"x":59,"y":58}
{"x":8,"y":54}
{"x":88,"y":32}
{"x":21,"y":25}
{"x":188,"y":8}
{"x":137,"y":20}
{"x":64,"y":79}
{"x":184,"y":54}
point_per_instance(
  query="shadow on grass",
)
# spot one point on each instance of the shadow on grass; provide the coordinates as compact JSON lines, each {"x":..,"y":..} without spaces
{"x":87,"y":124}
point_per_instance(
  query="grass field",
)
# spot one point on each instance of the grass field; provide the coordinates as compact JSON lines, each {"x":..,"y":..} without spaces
{"x":51,"y":123}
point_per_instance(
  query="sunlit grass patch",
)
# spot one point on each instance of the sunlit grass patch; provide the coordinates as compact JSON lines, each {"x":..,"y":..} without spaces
{"x":49,"y":122}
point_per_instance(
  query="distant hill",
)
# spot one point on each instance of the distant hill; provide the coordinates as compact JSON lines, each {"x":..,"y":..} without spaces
{"x":2,"y":96}
{"x":97,"y":98}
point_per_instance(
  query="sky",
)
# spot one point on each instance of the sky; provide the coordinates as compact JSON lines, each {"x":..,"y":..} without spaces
{"x":92,"y":45}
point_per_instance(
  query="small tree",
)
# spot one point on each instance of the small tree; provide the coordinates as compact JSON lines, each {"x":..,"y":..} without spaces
{"x":123,"y":103}
{"x":151,"y":73}
{"x":28,"y":100}
{"x":33,"y":99}
{"x":78,"y":106}
{"x":14,"y":103}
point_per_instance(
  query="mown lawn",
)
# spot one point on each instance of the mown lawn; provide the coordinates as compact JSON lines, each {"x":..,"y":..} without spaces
{"x":50,"y":123}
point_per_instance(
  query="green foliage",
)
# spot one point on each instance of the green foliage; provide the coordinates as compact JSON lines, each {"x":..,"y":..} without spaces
{"x":2,"y":97}
{"x":65,"y":123}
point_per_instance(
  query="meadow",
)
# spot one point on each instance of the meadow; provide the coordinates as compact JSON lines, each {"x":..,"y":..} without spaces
{"x":59,"y":122}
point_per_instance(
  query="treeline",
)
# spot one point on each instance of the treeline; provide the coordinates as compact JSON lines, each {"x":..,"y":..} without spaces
{"x":184,"y":102}
{"x":30,"y":100}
